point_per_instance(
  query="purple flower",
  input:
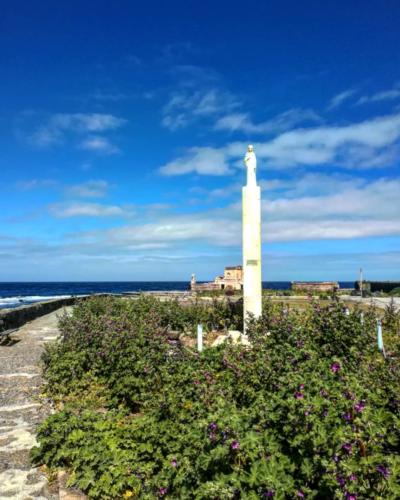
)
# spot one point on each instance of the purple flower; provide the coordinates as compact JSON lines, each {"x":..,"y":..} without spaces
{"x":350,"y":496}
{"x":335,"y":367}
{"x":347,"y":417}
{"x":325,"y":413}
{"x":300,"y":494}
{"x":174,"y":462}
{"x":383,"y":470}
{"x":336,"y":459}
{"x":353,"y":477}
{"x":341,"y":481}
{"x":323,"y":393}
{"x":269,"y":494}
{"x":213,"y":426}
{"x":347,"y":447}
{"x":162,"y":491}
{"x":359,"y":407}
{"x":301,"y":386}
{"x":235,"y":445}
{"x":298,"y":395}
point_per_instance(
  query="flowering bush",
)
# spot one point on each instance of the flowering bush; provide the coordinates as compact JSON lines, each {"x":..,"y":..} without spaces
{"x":311,"y":410}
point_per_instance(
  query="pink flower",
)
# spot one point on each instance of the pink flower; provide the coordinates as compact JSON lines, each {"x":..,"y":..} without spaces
{"x":235,"y":445}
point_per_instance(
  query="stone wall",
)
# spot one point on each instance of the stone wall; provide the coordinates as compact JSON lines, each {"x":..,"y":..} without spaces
{"x":14,"y":318}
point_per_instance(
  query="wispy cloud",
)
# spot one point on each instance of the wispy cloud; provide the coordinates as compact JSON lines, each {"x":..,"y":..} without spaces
{"x":89,"y":189}
{"x":99,"y":144}
{"x":76,"y":209}
{"x":339,"y":99}
{"x":53,"y":131}
{"x":186,"y":106}
{"x":279,"y":123}
{"x":383,"y":95}
{"x":203,"y":161}
{"x":30,"y":184}
{"x":368,"y":144}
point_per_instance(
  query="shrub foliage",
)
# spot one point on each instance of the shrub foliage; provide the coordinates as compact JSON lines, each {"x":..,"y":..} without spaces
{"x":311,"y":410}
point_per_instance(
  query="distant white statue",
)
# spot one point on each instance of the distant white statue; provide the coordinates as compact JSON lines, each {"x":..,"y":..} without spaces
{"x":250,"y":161}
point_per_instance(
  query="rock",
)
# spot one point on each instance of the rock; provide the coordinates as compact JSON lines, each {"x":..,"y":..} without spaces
{"x":234,"y":336}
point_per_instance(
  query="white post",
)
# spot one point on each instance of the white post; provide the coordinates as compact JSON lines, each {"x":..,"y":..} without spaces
{"x":199,"y":337}
{"x":362,"y":318}
{"x":379,"y":336}
{"x":252,"y":285}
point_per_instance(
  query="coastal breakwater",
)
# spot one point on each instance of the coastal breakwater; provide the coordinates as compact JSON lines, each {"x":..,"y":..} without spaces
{"x":19,"y":316}
{"x":14,"y":318}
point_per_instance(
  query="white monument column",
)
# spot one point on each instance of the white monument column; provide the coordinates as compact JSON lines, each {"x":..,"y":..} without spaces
{"x":252,"y":286}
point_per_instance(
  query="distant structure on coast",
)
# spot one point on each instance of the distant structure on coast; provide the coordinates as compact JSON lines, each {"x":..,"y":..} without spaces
{"x":232,"y":280}
{"x":315,"y":286}
{"x":376,"y":286}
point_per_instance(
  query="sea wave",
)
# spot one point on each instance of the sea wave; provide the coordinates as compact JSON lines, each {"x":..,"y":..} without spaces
{"x":11,"y":302}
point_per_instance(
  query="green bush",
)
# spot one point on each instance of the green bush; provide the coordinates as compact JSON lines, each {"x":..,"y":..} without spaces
{"x":310,"y":410}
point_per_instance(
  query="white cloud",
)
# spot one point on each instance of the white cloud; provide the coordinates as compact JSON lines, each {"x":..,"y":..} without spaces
{"x":383,"y":95}
{"x":360,"y":211}
{"x":372,"y":143}
{"x":371,"y":201}
{"x":203,"y":161}
{"x":99,"y":144}
{"x":312,"y":183}
{"x":87,"y":210}
{"x":360,"y":145}
{"x":188,"y":105}
{"x":171,"y":231}
{"x":59,"y":124}
{"x":283,"y":121}
{"x":89,"y":189}
{"x":339,"y":99}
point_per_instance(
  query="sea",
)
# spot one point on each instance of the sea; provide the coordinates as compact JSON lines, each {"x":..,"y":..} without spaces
{"x":17,"y":293}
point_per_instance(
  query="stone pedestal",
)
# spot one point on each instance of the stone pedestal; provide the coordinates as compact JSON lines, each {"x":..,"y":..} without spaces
{"x":252,"y":284}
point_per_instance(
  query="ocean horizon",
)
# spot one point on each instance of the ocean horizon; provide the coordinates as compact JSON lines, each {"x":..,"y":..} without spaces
{"x":14,"y":294}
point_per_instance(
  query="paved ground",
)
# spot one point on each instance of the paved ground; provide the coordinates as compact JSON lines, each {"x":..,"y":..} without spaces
{"x":381,"y":302}
{"x":20,"y":410}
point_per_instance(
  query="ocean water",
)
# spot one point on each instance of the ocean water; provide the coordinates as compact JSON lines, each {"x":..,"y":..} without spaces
{"x":17,"y":294}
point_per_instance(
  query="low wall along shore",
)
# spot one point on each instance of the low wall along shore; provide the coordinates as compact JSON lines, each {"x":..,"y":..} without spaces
{"x":14,"y":318}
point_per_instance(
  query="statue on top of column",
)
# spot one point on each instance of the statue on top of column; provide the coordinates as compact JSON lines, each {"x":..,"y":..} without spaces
{"x":250,"y":161}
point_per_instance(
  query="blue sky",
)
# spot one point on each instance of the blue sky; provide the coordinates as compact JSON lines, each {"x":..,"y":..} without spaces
{"x":123,"y":126}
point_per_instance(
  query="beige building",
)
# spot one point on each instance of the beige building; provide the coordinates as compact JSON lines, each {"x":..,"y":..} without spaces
{"x":231,"y":280}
